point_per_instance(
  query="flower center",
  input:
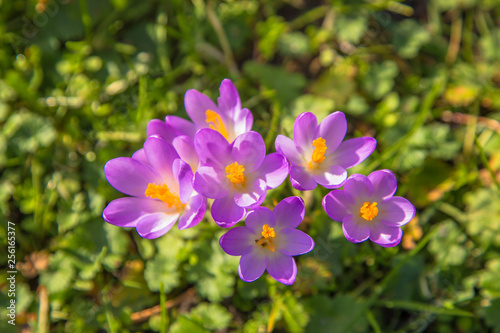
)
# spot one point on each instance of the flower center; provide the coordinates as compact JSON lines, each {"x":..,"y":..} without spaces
{"x":162,"y":193}
{"x":368,"y":211}
{"x":267,"y":237}
{"x":215,"y":122}
{"x":318,"y":154}
{"x":235,"y":174}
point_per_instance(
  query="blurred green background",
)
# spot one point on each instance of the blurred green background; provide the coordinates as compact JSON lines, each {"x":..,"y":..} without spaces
{"x":80,"y":80}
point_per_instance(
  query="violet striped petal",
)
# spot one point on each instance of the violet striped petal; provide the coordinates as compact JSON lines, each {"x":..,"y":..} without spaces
{"x":293,"y":242}
{"x":384,"y":184}
{"x":384,"y":235}
{"x":289,"y":213}
{"x":282,"y":268}
{"x":353,"y":231}
{"x":252,"y":266}
{"x":194,"y":212}
{"x":196,"y":105}
{"x":226,"y":212}
{"x":237,"y":241}
{"x":155,"y":225}
{"x":130,"y":176}
{"x":124,"y":212}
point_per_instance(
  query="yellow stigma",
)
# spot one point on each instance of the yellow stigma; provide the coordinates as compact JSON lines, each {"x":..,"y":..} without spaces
{"x":215,"y":122}
{"x":235,"y":174}
{"x":318,"y":154}
{"x":162,"y":193}
{"x":267,"y":232}
{"x":368,"y":211}
{"x":319,"y":150}
{"x":267,"y":237}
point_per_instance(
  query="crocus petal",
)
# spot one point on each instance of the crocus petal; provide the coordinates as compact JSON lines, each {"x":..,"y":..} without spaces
{"x":256,"y":219}
{"x":385,"y":236}
{"x":289,"y":213}
{"x":282,"y":268}
{"x":155,"y":225}
{"x":184,"y":146}
{"x":161,"y":155}
{"x":184,"y":177}
{"x":258,"y":203}
{"x":355,"y":232}
{"x":275,"y":169}
{"x":336,"y":205}
{"x":247,"y":123}
{"x":212,"y":148}
{"x":396,"y":211}
{"x":229,"y":100}
{"x":286,"y":147}
{"x":252,"y":266}
{"x":193,"y":213}
{"x":161,"y":129}
{"x":333,"y":178}
{"x":293,"y":242}
{"x":181,"y":126}
{"x":226,"y":212}
{"x":140,"y":155}
{"x":301,"y":179}
{"x":196,"y":105}
{"x":210,"y":183}
{"x":358,"y":186}
{"x":130,"y":176}
{"x":304,"y":129}
{"x":384,"y":184}
{"x":124,"y":212}
{"x":354,"y":151}
{"x":249,"y":150}
{"x":333,"y":129}
{"x":252,"y":194}
{"x":237,"y":241}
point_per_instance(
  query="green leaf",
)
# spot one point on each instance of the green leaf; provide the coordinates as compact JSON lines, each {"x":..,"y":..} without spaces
{"x":491,"y":315}
{"x":288,"y":85}
{"x":269,"y":32}
{"x":483,"y":216}
{"x":185,"y":324}
{"x":294,"y":44}
{"x":327,"y":313}
{"x":351,"y":28}
{"x":379,"y":79}
{"x":448,"y":245}
{"x":408,"y":38}
{"x":294,"y":314}
{"x":161,"y":269}
{"x":211,"y":316}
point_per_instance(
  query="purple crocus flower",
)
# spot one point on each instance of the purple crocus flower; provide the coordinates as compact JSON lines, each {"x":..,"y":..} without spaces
{"x":237,"y":175}
{"x":227,"y":117}
{"x":180,"y":136}
{"x":160,"y":187}
{"x":268,"y":241}
{"x":317,"y":154}
{"x":368,"y":208}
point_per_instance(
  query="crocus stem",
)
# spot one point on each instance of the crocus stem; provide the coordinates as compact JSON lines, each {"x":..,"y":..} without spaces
{"x":163,"y":309}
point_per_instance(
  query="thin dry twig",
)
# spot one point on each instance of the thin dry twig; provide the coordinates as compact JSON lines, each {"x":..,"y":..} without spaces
{"x":465,"y":119}
{"x":43,"y":312}
{"x":143,"y":315}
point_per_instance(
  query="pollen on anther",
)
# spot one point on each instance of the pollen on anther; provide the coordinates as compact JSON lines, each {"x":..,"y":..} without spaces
{"x":368,"y":211}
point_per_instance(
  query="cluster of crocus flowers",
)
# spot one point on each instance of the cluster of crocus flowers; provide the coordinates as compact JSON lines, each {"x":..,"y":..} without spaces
{"x":217,"y":156}
{"x":237,"y":175}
